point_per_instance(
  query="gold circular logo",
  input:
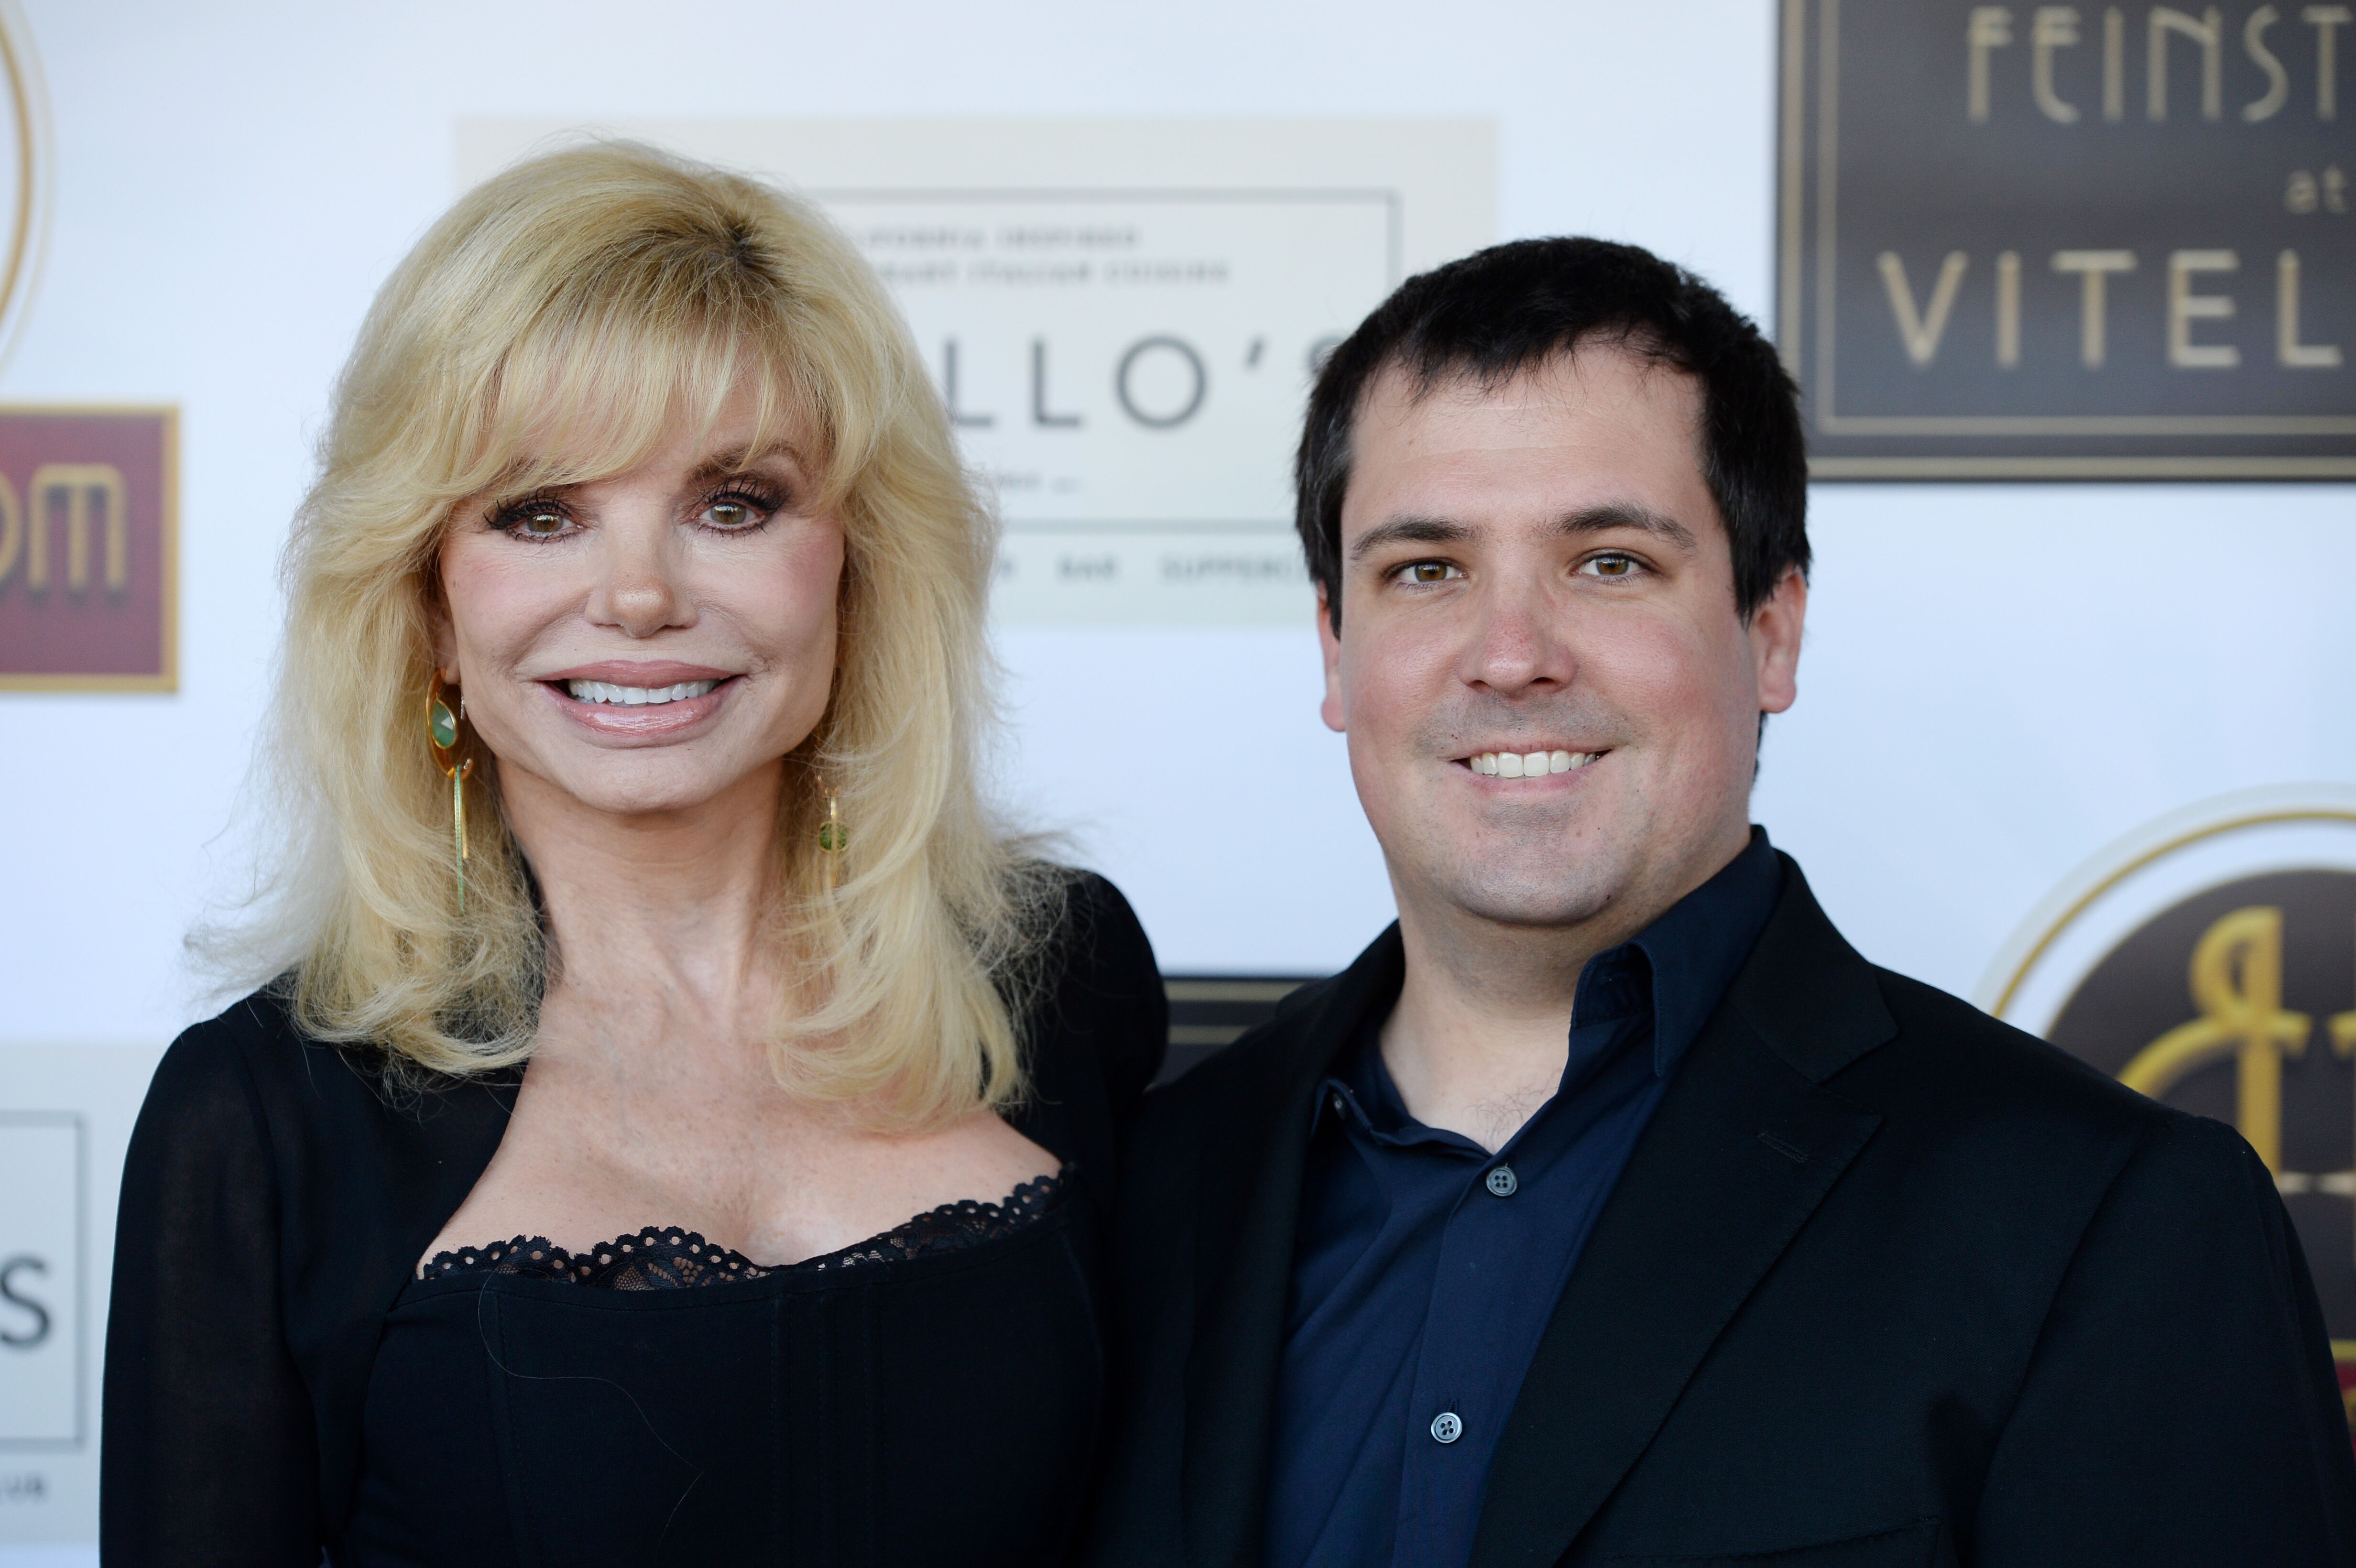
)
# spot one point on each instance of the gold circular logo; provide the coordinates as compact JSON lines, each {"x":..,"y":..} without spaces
{"x":25,"y":174}
{"x":2209,"y":961}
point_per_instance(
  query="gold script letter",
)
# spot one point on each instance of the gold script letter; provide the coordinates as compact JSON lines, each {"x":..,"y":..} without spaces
{"x":2236,"y":980}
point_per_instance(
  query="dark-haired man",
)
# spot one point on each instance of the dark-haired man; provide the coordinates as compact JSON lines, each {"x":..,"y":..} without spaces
{"x":1610,"y":1208}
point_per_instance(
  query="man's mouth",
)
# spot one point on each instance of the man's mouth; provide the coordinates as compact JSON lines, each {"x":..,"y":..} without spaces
{"x":636,"y":696}
{"x":1528,"y":764}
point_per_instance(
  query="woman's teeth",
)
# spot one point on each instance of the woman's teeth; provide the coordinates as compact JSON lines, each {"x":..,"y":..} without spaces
{"x":1529,"y":764}
{"x":637,"y":696}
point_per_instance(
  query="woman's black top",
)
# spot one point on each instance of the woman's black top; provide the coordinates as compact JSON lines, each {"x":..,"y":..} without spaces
{"x":281,"y":1381}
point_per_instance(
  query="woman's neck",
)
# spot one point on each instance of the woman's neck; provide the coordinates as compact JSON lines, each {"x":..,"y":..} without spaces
{"x":664,"y":910}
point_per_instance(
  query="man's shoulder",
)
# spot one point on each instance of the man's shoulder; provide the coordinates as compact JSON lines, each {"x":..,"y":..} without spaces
{"x":1951,"y":1071}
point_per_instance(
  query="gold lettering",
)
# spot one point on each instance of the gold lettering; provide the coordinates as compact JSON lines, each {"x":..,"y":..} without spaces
{"x":2184,"y":307}
{"x":1921,"y":330}
{"x":2289,"y":351}
{"x":2253,"y":41}
{"x":75,"y":484}
{"x":2115,"y":65}
{"x":2008,"y":309}
{"x":12,"y":529}
{"x":2325,"y":20}
{"x":2053,"y":28}
{"x":1987,"y":27}
{"x":2094,"y":308}
{"x":2236,"y":981}
{"x":2209,"y":31}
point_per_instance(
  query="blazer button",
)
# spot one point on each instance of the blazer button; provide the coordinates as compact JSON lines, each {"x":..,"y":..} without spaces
{"x":1447,"y":1426}
{"x":1503,"y":1182}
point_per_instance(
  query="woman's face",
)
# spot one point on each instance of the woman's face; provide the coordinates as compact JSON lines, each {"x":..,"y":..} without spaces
{"x":645,"y":643}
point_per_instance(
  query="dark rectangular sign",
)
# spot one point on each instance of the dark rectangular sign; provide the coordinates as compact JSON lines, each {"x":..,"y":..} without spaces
{"x":2069,"y":242}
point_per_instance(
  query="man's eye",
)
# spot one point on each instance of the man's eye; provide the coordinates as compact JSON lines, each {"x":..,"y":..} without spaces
{"x":1613,"y":566}
{"x":1428,"y":571}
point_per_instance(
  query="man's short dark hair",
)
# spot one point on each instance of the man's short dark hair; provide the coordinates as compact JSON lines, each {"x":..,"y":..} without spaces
{"x":1515,"y":306}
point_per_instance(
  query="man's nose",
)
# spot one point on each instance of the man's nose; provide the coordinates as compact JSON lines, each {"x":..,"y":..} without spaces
{"x":1519,"y":643}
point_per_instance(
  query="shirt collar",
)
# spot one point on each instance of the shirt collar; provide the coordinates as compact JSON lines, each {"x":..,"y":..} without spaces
{"x":1693,"y":950}
{"x":1689,"y":957}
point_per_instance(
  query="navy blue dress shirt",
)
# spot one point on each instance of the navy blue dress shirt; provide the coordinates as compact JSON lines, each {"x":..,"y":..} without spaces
{"x":1426,"y":1268}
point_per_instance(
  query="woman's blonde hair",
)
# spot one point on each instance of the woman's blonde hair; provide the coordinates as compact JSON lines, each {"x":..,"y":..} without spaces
{"x":606,"y":292}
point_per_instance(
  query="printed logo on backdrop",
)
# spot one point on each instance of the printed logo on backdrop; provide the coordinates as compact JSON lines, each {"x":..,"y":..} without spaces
{"x":2210,"y":961}
{"x":1123,"y":317}
{"x":43,"y":1361}
{"x":25,"y":174}
{"x":2087,"y":240}
{"x":88,"y":549}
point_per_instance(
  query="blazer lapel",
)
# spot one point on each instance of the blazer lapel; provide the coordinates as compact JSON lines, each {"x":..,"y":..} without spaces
{"x":1744,"y":1148}
{"x":1249,"y":1207}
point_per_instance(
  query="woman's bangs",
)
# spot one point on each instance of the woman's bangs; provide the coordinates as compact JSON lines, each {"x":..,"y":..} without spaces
{"x":581,"y":404}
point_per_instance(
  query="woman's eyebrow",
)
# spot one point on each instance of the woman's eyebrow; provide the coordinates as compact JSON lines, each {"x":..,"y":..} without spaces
{"x":727,"y":464}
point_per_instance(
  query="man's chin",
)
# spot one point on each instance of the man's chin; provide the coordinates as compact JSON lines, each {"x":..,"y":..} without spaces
{"x":1520,"y":898}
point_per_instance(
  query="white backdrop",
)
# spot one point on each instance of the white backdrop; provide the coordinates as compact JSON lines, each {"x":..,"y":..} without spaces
{"x":1998,"y":680}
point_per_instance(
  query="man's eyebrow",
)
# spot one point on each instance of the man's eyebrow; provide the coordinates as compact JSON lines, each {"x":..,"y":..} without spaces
{"x":1409,"y":530}
{"x":1625,"y":515}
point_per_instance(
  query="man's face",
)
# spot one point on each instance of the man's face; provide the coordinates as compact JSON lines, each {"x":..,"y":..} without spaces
{"x":1538,"y":571}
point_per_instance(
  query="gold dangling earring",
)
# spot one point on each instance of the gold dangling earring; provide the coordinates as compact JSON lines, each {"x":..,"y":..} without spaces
{"x":442,"y":739}
{"x":830,"y":837}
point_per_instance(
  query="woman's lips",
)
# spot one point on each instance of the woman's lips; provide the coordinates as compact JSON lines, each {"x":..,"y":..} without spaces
{"x":629,"y":710}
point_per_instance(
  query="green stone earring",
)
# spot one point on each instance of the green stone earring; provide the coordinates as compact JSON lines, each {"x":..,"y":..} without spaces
{"x":442,"y":739}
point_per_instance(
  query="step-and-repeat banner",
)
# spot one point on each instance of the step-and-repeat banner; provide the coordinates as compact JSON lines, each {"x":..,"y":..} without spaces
{"x":2042,"y":241}
{"x":2010,"y":241}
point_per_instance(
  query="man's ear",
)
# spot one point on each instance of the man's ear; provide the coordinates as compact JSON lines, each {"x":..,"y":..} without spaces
{"x":1329,"y":642}
{"x":1775,"y":630}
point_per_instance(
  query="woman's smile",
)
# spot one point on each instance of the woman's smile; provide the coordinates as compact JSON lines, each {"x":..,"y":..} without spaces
{"x":649,"y":702}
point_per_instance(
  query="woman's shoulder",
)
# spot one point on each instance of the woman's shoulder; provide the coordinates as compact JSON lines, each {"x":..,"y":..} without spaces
{"x":224,"y":1062}
{"x":1099,"y":991}
{"x":251,"y":1066}
{"x":1097,"y":947}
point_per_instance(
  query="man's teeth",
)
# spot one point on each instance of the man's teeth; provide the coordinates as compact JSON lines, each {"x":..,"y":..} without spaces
{"x":1530,"y":764}
{"x":637,"y":696}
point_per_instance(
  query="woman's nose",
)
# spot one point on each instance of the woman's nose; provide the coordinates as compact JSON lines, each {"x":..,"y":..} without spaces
{"x":640,"y":594}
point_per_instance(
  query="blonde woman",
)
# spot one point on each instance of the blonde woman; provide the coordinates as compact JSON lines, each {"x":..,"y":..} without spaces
{"x":680,"y":1124}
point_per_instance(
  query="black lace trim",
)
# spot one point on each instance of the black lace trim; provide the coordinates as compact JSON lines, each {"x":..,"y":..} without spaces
{"x":657,"y":1259}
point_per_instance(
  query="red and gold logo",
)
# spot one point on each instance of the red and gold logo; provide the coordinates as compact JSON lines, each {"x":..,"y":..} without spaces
{"x":2210,"y":961}
{"x":89,"y":550}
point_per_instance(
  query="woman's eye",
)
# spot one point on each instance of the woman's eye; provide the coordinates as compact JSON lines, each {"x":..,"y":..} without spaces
{"x":535,"y":522}
{"x":1430,"y":571}
{"x":733,"y":514}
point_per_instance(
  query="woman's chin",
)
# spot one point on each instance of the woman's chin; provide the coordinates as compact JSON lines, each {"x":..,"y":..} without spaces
{"x":643,"y":785}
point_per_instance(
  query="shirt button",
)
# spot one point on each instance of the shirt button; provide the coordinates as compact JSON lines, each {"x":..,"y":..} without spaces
{"x":1447,"y":1426}
{"x":1503,"y":1182}
{"x":1339,"y":1105}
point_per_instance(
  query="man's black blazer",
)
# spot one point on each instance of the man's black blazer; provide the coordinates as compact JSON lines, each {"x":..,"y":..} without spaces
{"x":1885,"y":1282}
